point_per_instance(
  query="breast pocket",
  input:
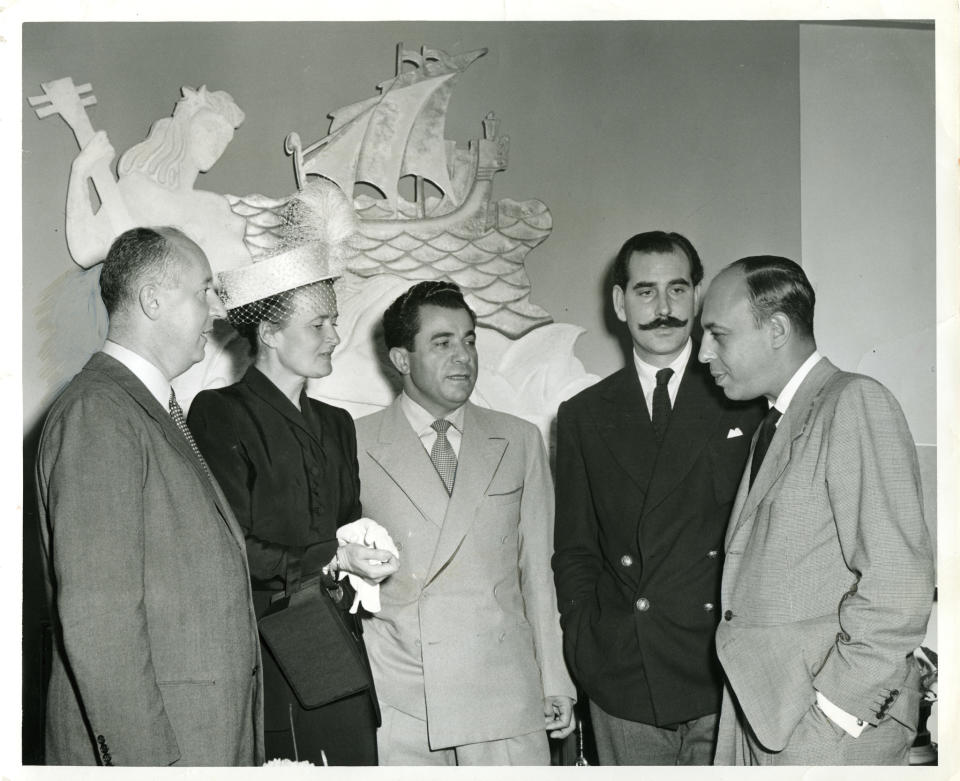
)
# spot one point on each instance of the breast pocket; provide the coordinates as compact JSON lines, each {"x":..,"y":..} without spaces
{"x":509,"y":496}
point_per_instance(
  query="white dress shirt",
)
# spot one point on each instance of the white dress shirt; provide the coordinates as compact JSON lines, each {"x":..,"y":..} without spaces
{"x":648,"y":375}
{"x":146,"y":372}
{"x":420,"y":420}
{"x":846,"y":721}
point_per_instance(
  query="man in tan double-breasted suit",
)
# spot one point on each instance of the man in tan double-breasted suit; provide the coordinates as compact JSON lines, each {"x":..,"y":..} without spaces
{"x":828,"y":575}
{"x":156,"y":659}
{"x":466,"y":650}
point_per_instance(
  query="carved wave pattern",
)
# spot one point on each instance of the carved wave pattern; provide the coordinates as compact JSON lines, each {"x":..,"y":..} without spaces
{"x":487,"y":266}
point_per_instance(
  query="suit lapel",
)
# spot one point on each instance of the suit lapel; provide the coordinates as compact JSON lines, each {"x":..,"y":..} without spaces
{"x":481,"y":452}
{"x":127,"y":380}
{"x":402,"y":456}
{"x":624,"y":427}
{"x":792,"y":426}
{"x":692,"y":421}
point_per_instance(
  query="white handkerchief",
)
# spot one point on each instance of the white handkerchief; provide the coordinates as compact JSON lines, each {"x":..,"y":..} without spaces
{"x":365,"y":531}
{"x":734,"y":432}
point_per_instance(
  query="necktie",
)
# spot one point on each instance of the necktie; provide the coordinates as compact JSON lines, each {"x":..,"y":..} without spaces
{"x":176,"y":412}
{"x":768,"y":427}
{"x":661,"y":404}
{"x":442,"y":455}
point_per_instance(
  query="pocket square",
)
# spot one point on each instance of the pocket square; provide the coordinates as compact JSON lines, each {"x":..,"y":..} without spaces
{"x":734,"y":432}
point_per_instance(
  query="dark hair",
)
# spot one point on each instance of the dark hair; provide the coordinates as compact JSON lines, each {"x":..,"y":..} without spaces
{"x":778,"y":285}
{"x":401,"y":321}
{"x":137,"y":256}
{"x":657,"y":242}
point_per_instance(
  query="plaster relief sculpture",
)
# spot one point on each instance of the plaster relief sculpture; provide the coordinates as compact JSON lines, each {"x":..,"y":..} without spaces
{"x":425,"y":210}
{"x":451,"y":228}
{"x":155,"y":184}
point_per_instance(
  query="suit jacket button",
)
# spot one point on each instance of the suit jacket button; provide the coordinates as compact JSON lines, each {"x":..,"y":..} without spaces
{"x":727,"y":615}
{"x":642,"y":604}
{"x":712,"y":554}
{"x":626,"y":560}
{"x":708,"y":606}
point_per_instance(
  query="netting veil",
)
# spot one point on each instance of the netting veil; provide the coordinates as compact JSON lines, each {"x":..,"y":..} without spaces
{"x":314,"y":228}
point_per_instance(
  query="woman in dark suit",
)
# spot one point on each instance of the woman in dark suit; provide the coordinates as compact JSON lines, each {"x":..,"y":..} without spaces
{"x":288,"y":465}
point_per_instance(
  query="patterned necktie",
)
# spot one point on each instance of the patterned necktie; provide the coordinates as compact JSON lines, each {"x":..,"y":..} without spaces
{"x":442,"y":455}
{"x":661,"y":404}
{"x":176,"y":412}
{"x":768,"y":427}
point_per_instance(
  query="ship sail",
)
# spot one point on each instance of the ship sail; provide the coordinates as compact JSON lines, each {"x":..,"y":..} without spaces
{"x":398,"y":133}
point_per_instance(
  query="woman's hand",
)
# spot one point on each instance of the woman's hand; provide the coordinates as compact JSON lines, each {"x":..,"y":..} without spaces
{"x":371,"y":564}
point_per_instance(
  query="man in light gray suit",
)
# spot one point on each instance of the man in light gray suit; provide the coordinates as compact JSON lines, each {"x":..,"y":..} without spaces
{"x":828,"y":575}
{"x":466,"y":650}
{"x":156,"y":659}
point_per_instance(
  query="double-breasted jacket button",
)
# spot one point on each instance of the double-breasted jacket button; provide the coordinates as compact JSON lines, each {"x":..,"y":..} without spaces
{"x":626,"y":560}
{"x":642,"y":604}
{"x":712,"y":554}
{"x":708,"y":607}
{"x":727,"y":615}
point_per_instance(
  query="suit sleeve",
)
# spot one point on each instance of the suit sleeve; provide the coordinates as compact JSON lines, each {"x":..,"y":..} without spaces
{"x":215,"y":424}
{"x":873,"y":484}
{"x":92,"y":465}
{"x":536,"y":535}
{"x":577,"y":561}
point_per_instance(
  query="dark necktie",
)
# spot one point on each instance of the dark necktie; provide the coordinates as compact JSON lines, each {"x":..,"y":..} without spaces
{"x":176,"y":412}
{"x":442,"y":455}
{"x":768,"y":427}
{"x":661,"y":404}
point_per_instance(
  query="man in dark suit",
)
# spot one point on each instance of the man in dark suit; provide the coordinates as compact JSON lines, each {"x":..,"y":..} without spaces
{"x":648,"y":462}
{"x":156,"y":658}
{"x":828,"y":575}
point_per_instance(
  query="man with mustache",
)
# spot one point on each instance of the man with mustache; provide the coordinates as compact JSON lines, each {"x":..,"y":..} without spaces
{"x":648,"y":462}
{"x":466,"y":650}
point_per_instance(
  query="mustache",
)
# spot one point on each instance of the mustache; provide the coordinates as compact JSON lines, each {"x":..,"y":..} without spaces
{"x":668,"y":321}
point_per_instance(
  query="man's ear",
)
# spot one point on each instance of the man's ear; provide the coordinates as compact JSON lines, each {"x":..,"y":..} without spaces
{"x":697,"y":299}
{"x":618,"y":304}
{"x":780,"y":329}
{"x":400,"y":358}
{"x":149,"y":299}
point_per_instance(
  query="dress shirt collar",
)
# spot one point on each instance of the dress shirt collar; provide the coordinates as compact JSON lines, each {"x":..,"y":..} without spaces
{"x":420,"y":419}
{"x":146,"y":372}
{"x":790,"y":389}
{"x":648,"y":373}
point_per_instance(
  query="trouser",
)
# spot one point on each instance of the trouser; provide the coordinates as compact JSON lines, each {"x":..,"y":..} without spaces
{"x":402,"y":740}
{"x":623,"y":742}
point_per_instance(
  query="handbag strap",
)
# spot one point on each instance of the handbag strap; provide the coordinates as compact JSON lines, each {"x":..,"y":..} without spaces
{"x":294,"y":568}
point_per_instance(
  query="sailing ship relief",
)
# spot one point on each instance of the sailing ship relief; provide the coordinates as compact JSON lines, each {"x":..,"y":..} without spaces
{"x":426,"y":205}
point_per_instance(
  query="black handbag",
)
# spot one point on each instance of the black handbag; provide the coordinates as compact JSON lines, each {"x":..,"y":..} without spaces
{"x":309,"y":638}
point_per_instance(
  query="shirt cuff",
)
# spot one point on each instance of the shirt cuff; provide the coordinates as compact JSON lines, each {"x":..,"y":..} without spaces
{"x":847,"y":722}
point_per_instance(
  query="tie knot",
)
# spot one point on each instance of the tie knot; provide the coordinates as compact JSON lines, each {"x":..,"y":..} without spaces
{"x":663,"y":376}
{"x":173,"y":404}
{"x":440,"y":425}
{"x":773,"y":415}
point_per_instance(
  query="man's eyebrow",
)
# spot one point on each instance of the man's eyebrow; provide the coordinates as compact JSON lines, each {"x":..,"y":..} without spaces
{"x":645,"y":283}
